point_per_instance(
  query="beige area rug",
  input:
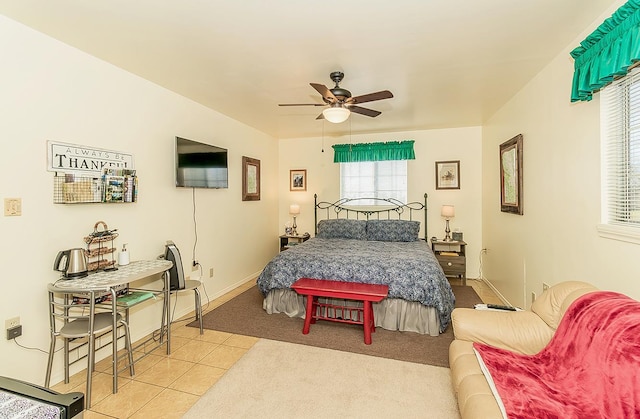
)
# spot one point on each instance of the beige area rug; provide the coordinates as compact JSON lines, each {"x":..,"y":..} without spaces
{"x":244,"y":315}
{"x":285,"y":380}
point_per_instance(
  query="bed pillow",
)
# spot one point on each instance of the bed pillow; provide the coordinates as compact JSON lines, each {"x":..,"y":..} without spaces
{"x":393,"y":230}
{"x":342,"y":229}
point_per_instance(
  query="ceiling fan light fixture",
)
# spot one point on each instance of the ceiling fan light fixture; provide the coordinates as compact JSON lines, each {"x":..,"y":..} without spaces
{"x":336,"y":115}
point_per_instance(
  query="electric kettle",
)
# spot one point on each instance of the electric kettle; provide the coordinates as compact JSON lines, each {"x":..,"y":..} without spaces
{"x":75,"y":263}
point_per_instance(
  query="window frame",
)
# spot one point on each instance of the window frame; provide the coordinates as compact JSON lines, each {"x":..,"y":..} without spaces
{"x":376,"y":181}
{"x":616,"y":107}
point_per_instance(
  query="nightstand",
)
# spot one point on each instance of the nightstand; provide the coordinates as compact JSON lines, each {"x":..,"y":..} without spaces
{"x":286,"y":241}
{"x":452,"y":257}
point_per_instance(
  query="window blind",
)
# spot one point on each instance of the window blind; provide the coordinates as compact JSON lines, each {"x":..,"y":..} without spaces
{"x":620,"y":114}
{"x":379,"y":179}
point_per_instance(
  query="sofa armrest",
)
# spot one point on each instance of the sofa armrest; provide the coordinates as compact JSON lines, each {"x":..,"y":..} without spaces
{"x":518,"y":331}
{"x":553,"y":303}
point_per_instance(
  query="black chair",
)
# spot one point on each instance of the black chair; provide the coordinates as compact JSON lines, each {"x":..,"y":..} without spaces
{"x":179,"y":284}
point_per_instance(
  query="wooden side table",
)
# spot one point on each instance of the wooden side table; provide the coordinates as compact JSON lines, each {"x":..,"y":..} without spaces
{"x":452,"y":258}
{"x":287,"y":241}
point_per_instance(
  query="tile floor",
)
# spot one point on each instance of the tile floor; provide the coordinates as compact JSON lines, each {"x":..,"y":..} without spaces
{"x":167,"y":386}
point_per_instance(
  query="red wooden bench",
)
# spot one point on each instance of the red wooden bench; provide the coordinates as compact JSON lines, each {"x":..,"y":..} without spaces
{"x":367,"y":293}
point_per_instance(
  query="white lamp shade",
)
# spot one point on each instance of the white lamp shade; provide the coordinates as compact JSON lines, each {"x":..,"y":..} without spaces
{"x":294,"y":209}
{"x":336,"y":115}
{"x":448,"y":211}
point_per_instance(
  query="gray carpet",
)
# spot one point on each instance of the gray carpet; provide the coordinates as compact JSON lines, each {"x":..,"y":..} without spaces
{"x":243,"y":315}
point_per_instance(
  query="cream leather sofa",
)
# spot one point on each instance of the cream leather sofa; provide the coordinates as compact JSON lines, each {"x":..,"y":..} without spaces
{"x":525,"y":332}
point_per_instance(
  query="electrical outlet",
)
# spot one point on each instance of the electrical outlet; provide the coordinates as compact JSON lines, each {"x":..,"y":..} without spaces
{"x":12,"y":322}
{"x":13,"y":328}
{"x":533,"y":297}
{"x":14,"y":332}
{"x":211,"y":273}
{"x":545,"y":286}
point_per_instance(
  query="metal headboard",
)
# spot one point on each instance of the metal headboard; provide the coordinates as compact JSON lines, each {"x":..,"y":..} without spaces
{"x":392,"y":207}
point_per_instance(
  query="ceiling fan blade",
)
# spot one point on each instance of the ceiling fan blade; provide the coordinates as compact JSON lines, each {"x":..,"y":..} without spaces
{"x":325,"y":92}
{"x":302,"y":104}
{"x":384,"y":94}
{"x":321,"y":116}
{"x":364,"y":111}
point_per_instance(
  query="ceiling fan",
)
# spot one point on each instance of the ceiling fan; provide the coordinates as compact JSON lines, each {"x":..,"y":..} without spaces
{"x":340,"y":101}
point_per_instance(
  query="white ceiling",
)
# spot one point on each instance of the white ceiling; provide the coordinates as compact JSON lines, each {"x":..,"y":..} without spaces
{"x":448,"y":63}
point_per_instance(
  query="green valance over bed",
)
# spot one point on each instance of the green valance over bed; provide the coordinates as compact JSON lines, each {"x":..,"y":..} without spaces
{"x":608,"y":52}
{"x":391,"y":150}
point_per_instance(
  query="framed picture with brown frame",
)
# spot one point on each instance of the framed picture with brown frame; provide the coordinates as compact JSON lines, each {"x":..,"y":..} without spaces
{"x":511,"y":176}
{"x":250,"y":179}
{"x":448,"y":174}
{"x":298,"y":180}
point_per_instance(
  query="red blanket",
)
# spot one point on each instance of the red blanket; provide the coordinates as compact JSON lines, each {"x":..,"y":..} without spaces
{"x":589,"y":369}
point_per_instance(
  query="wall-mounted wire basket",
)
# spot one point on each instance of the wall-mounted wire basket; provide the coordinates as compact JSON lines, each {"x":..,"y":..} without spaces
{"x":113,"y":186}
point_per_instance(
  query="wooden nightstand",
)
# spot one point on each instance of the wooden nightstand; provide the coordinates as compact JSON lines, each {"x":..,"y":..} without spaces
{"x":452,"y":257}
{"x":287,"y":241}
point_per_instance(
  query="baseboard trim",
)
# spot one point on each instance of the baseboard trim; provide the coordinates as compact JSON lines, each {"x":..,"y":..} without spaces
{"x":233,"y":286}
{"x":495,"y":290}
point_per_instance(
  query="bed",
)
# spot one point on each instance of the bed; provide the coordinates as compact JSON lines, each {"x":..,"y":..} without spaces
{"x":379,"y":244}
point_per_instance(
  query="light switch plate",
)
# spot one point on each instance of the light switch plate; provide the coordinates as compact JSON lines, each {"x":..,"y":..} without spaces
{"x":12,"y":206}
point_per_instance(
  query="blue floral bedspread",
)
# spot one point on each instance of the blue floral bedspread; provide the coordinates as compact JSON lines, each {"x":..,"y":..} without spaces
{"x":410,"y":269}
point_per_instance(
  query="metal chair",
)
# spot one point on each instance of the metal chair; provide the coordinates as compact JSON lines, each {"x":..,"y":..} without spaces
{"x":78,"y":324}
{"x":178,"y":283}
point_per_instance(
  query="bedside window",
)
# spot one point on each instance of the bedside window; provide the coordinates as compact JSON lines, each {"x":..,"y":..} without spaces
{"x":374,"y":179}
{"x":620,"y":116}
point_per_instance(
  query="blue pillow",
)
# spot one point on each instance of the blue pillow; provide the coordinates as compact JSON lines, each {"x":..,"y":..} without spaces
{"x":342,"y":228}
{"x":393,"y":230}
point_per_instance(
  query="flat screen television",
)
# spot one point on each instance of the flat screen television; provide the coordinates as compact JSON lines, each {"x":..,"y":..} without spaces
{"x":200,"y":165}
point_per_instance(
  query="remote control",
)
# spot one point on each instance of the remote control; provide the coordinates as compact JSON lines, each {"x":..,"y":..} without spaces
{"x":499,"y":307}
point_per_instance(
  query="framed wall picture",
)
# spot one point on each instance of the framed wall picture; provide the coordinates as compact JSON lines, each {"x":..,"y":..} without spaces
{"x":511,"y":176}
{"x":448,"y":174}
{"x":250,"y":179}
{"x":298,"y":180}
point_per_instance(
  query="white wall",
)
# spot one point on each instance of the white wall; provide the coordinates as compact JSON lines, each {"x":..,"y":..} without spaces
{"x":556,"y":238}
{"x":323,"y":175}
{"x":51,"y":91}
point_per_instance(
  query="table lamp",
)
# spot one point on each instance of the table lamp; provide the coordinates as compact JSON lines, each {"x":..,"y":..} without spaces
{"x":447,"y":212}
{"x":294,"y":210}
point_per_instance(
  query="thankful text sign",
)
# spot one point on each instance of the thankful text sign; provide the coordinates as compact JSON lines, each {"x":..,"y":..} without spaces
{"x":73,"y":158}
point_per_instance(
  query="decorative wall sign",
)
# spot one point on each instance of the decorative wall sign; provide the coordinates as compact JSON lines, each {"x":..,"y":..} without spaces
{"x":88,"y":174}
{"x":250,"y":179}
{"x":88,"y":161}
{"x":511,"y":175}
{"x":448,"y":174}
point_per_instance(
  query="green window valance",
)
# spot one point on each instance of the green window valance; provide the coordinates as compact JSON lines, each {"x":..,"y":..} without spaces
{"x":391,"y":150}
{"x":608,"y":52}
